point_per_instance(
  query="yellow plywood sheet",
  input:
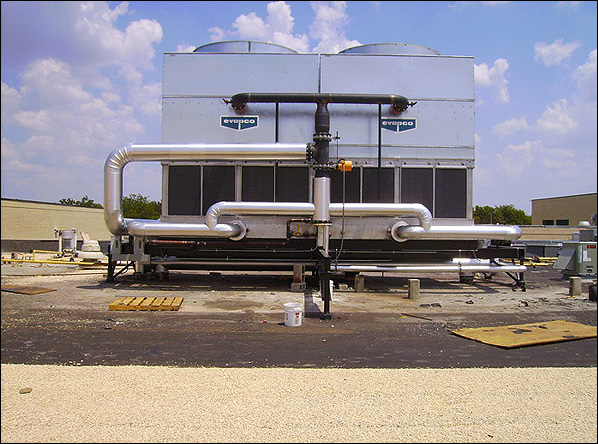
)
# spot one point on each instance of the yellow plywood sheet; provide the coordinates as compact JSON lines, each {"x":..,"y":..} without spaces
{"x":510,"y":336}
{"x":27,"y":290}
{"x":146,"y":303}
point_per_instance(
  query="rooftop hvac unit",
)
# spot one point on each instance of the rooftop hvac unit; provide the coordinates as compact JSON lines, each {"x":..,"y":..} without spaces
{"x":578,"y":256}
{"x":272,"y":158}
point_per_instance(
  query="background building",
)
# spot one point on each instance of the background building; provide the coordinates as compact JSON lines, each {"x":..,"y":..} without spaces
{"x":564,"y":210}
{"x":28,"y":225}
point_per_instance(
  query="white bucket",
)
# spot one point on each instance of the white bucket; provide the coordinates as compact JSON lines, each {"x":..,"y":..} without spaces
{"x":293,"y":312}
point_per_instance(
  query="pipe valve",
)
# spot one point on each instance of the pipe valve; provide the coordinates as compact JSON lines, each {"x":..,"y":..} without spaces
{"x":345,"y":165}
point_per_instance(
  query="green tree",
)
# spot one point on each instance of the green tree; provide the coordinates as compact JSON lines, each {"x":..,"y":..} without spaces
{"x":484,"y":215}
{"x":504,"y":214}
{"x":137,"y":206}
{"x":84,"y":202}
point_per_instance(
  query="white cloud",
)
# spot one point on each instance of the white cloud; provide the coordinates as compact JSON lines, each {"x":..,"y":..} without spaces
{"x":250,"y":26}
{"x":460,"y":4}
{"x":555,"y":53}
{"x":494,"y":79}
{"x":585,"y":75}
{"x":557,"y":159}
{"x":69,"y":118}
{"x":11,"y":99}
{"x":50,"y":81}
{"x":514,"y":159}
{"x":276,"y":28}
{"x":217,"y":34}
{"x":556,"y":118}
{"x":281,"y":24}
{"x":568,"y":4}
{"x":511,"y":126}
{"x":96,"y":31}
{"x":145,"y":97}
{"x":328,"y":27}
{"x":561,"y":160}
{"x":67,"y":114}
{"x":185,"y":47}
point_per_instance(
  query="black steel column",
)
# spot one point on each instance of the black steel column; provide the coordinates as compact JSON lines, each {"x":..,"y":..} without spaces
{"x":322,"y":139}
{"x":379,"y":173}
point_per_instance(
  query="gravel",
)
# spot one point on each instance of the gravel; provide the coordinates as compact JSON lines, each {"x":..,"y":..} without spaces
{"x":172,"y":404}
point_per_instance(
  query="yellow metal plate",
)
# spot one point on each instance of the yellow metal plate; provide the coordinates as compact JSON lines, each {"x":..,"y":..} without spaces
{"x":27,"y":290}
{"x":510,"y":336}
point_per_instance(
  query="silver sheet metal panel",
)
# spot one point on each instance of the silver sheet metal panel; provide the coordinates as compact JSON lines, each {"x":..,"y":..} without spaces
{"x":437,"y":132}
{"x":195,"y":85}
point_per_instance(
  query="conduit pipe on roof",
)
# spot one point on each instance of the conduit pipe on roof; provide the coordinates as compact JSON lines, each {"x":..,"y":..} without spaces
{"x":116,"y":161}
{"x":402,"y":232}
{"x":477,"y":268}
{"x":308,"y":209}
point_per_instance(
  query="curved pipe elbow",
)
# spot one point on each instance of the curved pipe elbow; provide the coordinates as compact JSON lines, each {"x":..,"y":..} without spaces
{"x":424,"y":215}
{"x":116,"y":161}
{"x":419,"y":211}
{"x":113,"y":168}
{"x":257,"y":208}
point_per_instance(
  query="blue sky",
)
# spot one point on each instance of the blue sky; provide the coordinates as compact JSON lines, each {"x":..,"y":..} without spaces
{"x":80,"y":79}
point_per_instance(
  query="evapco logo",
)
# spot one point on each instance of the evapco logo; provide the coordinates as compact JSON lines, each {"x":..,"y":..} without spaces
{"x":398,"y":125}
{"x":239,"y":123}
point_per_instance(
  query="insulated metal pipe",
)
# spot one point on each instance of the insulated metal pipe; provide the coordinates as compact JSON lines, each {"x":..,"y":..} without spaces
{"x":309,"y":209}
{"x":322,"y":165}
{"x":256,"y":208}
{"x":401,"y":232}
{"x":419,"y":211}
{"x":399,"y":103}
{"x":142,"y":227}
{"x":322,"y":199}
{"x":116,"y":161}
{"x":478,"y":268}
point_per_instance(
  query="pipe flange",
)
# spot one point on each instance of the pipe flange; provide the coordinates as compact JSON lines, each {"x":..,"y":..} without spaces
{"x":310,"y":152}
{"x":322,"y":136}
{"x":324,"y":166}
{"x":242,"y":230}
{"x":394,"y":230}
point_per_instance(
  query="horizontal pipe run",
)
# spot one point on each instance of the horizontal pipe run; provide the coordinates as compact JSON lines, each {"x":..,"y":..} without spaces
{"x":140,"y":227}
{"x":308,"y":209}
{"x":399,"y":103}
{"x":32,"y":261}
{"x":116,"y":161}
{"x":481,"y":268}
{"x":207,"y":151}
{"x":471,"y":232}
{"x":384,"y":209}
{"x":257,"y":208}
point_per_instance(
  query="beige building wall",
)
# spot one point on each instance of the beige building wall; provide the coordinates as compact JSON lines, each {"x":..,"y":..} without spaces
{"x":546,"y":233}
{"x":27,"y":220}
{"x":572,"y":208}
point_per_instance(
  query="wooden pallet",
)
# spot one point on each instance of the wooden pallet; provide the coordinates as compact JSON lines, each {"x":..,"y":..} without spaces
{"x":146,"y":303}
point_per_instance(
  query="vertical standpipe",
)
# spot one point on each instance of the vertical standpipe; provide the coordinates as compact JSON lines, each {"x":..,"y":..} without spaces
{"x":322,"y":200}
{"x":321,"y":157}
